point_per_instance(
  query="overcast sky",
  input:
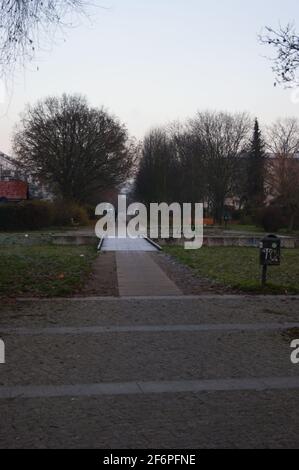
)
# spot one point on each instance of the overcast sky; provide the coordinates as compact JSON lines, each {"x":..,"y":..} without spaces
{"x":153,"y":61}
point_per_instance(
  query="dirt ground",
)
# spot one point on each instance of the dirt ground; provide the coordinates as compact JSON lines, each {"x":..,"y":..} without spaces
{"x":103,"y":281}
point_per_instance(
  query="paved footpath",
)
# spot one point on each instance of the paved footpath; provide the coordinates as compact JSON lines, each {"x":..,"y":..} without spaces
{"x":127,"y":244}
{"x":137,"y":273}
{"x":150,"y":373}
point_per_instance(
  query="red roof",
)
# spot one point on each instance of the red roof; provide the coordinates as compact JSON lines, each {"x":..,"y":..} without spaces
{"x":14,"y":190}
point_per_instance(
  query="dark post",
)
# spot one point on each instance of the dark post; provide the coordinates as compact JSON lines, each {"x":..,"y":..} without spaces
{"x":264,"y":275}
{"x":270,"y":253}
{"x":226,"y":220}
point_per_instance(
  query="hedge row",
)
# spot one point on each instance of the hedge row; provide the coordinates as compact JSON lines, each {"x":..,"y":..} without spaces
{"x":274,"y":218}
{"x":271,"y":218}
{"x":35,"y":215}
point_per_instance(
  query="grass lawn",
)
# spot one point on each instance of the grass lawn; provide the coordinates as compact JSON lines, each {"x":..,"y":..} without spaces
{"x":33,"y":237}
{"x":44,"y":270}
{"x":239,"y":268}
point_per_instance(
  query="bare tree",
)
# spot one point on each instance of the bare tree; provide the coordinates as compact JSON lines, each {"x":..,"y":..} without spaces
{"x":188,"y":150}
{"x":223,"y":137}
{"x":157,"y":176}
{"x":77,"y":150}
{"x":171,"y":166}
{"x":283,"y":165}
{"x":283,"y":137}
{"x":194,"y":162}
{"x":24,"y":23}
{"x":285,"y":42}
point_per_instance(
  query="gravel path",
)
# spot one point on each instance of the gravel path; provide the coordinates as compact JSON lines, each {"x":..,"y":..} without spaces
{"x":187,"y":279}
{"x":227,"y":383}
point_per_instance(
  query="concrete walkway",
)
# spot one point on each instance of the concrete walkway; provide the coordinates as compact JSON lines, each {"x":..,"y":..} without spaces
{"x":139,"y":275}
{"x":137,"y":272}
{"x":127,"y":244}
{"x":169,"y":374}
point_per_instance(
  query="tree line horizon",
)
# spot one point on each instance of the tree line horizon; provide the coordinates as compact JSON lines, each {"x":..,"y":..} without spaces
{"x":80,"y":151}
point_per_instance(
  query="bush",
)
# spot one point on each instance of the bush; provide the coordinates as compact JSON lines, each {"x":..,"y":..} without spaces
{"x":90,"y":209}
{"x":66,"y":214}
{"x":296,"y":222}
{"x":271,"y":218}
{"x":236,"y":215}
{"x":31,"y":215}
{"x":36,"y":215}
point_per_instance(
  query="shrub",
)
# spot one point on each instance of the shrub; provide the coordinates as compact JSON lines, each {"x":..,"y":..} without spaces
{"x":271,"y":218}
{"x":247,"y":219}
{"x":36,"y":215}
{"x":296,"y":222}
{"x":236,"y":215}
{"x":31,"y":215}
{"x":8,"y":216}
{"x":90,"y":209}
{"x":68,"y":213}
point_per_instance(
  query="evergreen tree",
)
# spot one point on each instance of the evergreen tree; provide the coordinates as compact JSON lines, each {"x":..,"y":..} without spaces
{"x":256,"y":169}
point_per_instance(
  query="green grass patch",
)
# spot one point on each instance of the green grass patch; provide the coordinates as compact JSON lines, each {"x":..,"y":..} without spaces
{"x":44,"y":271}
{"x":239,"y":268}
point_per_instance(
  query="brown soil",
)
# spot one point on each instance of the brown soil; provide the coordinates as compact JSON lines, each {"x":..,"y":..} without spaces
{"x":103,"y":280}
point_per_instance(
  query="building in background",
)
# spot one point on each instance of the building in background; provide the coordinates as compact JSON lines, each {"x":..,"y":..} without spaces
{"x":16,"y":184}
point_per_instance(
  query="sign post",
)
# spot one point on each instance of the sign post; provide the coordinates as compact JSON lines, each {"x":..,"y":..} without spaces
{"x":270,"y":254}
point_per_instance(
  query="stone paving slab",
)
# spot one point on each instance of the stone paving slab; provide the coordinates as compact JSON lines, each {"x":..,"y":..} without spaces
{"x":140,"y":275}
{"x":151,"y":382}
{"x":98,"y":330}
{"x":140,"y":388}
{"x":150,"y":311}
{"x":234,"y":419}
{"x":136,"y":356}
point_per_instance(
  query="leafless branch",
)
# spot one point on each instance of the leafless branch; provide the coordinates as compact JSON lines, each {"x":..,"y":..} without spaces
{"x":24,"y":24}
{"x":285,"y":42}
